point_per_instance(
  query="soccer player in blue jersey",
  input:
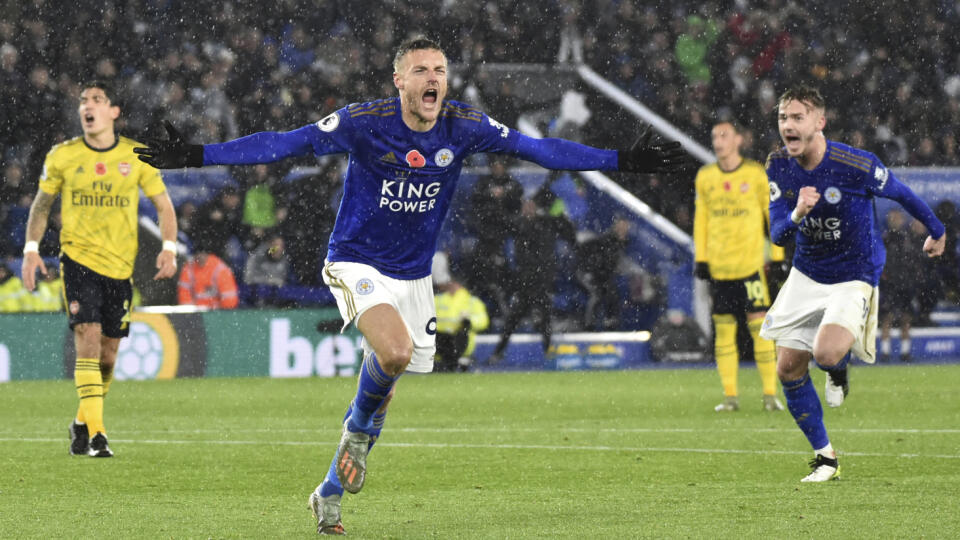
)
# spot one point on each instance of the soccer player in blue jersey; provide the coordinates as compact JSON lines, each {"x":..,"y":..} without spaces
{"x":822,"y":194}
{"x":405,"y":156}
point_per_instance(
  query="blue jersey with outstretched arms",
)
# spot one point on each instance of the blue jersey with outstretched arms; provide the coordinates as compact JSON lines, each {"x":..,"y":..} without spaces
{"x":399,"y":182}
{"x":838,"y":240}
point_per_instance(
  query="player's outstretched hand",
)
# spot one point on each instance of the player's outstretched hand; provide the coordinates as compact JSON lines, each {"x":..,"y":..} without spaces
{"x":172,"y":153}
{"x":644,"y":157}
{"x":934,"y":248}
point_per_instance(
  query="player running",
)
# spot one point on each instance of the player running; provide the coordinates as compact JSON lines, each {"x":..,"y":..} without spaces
{"x":822,"y":192}
{"x":405,"y":154}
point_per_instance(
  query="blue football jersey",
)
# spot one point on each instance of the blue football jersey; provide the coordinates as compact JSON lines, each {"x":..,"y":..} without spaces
{"x":839,"y":240}
{"x":399,"y":182}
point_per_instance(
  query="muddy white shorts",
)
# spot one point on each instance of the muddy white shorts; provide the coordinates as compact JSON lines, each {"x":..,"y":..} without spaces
{"x":358,"y":287}
{"x":804,"y":305}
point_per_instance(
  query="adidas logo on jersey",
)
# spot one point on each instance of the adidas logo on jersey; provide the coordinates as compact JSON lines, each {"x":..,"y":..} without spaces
{"x":79,"y":170}
{"x":389,"y":158}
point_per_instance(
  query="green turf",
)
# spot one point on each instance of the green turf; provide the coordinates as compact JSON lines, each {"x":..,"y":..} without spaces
{"x":637,"y":454}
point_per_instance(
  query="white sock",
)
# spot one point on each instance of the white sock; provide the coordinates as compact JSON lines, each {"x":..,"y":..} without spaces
{"x":885,"y":346}
{"x":904,"y":347}
{"x":827,"y":451}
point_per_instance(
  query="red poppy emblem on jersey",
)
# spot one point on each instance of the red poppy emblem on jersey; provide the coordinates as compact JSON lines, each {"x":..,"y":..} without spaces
{"x":415,"y":159}
{"x":744,"y":187}
{"x":124,"y":168}
{"x":101,"y":169}
{"x":726,"y":186}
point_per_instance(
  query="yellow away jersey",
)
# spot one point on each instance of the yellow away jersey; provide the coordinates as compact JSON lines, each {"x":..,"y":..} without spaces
{"x":731,"y":220}
{"x":99,"y":192}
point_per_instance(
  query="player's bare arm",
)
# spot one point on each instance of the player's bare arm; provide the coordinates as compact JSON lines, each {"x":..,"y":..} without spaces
{"x":36,"y":225}
{"x":167,"y":258}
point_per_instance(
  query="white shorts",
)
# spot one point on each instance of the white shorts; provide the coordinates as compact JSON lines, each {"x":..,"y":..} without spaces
{"x":804,"y":305}
{"x":358,"y":287}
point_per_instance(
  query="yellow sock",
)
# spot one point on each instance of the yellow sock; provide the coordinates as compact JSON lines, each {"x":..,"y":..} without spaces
{"x":106,"y":373}
{"x":725,"y":352}
{"x":763,"y":353}
{"x":89,"y":383}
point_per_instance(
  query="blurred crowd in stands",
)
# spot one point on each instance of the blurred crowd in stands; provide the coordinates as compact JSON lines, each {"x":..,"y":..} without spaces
{"x":217,"y":70}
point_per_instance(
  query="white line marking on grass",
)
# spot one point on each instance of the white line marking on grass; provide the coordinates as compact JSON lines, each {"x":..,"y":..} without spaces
{"x":592,"y":448}
{"x":559,"y":431}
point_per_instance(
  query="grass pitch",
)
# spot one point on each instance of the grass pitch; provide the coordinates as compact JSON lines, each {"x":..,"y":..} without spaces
{"x":635,"y":454}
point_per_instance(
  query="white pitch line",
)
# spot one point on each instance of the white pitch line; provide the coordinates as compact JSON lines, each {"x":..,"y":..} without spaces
{"x":557,"y":431}
{"x":581,"y":448}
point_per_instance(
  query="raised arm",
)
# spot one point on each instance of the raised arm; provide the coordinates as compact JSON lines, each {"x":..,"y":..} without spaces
{"x":642,"y":157}
{"x":263,"y":147}
{"x":784,"y":220}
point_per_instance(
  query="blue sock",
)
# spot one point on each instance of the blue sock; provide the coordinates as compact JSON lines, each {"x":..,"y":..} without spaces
{"x":331,"y":484}
{"x":376,"y":427}
{"x":373,"y":388}
{"x":804,"y":404}
{"x":840,"y":365}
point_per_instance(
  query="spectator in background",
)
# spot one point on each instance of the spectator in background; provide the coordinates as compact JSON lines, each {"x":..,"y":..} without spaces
{"x":460,"y":316}
{"x":535,"y":270}
{"x":948,"y":266}
{"x":260,"y":212}
{"x":39,"y":127}
{"x":259,"y":204}
{"x":219,"y":221}
{"x":210,"y":102}
{"x":599,"y":260}
{"x":311,"y":209}
{"x":13,"y":297}
{"x":924,"y":274}
{"x":266,"y":272}
{"x":207,"y":281}
{"x":14,"y":85}
{"x":898,"y":288}
{"x":494,"y":204}
{"x":571,"y":39}
{"x":186,"y":214}
{"x":925,"y":154}
{"x":692,"y":48}
{"x":15,"y":202}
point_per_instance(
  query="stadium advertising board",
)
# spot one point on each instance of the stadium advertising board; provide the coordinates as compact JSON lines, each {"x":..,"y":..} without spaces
{"x":307,"y":343}
{"x":169,"y":345}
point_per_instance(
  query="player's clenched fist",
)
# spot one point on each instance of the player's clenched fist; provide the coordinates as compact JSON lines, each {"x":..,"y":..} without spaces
{"x":806,"y":200}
